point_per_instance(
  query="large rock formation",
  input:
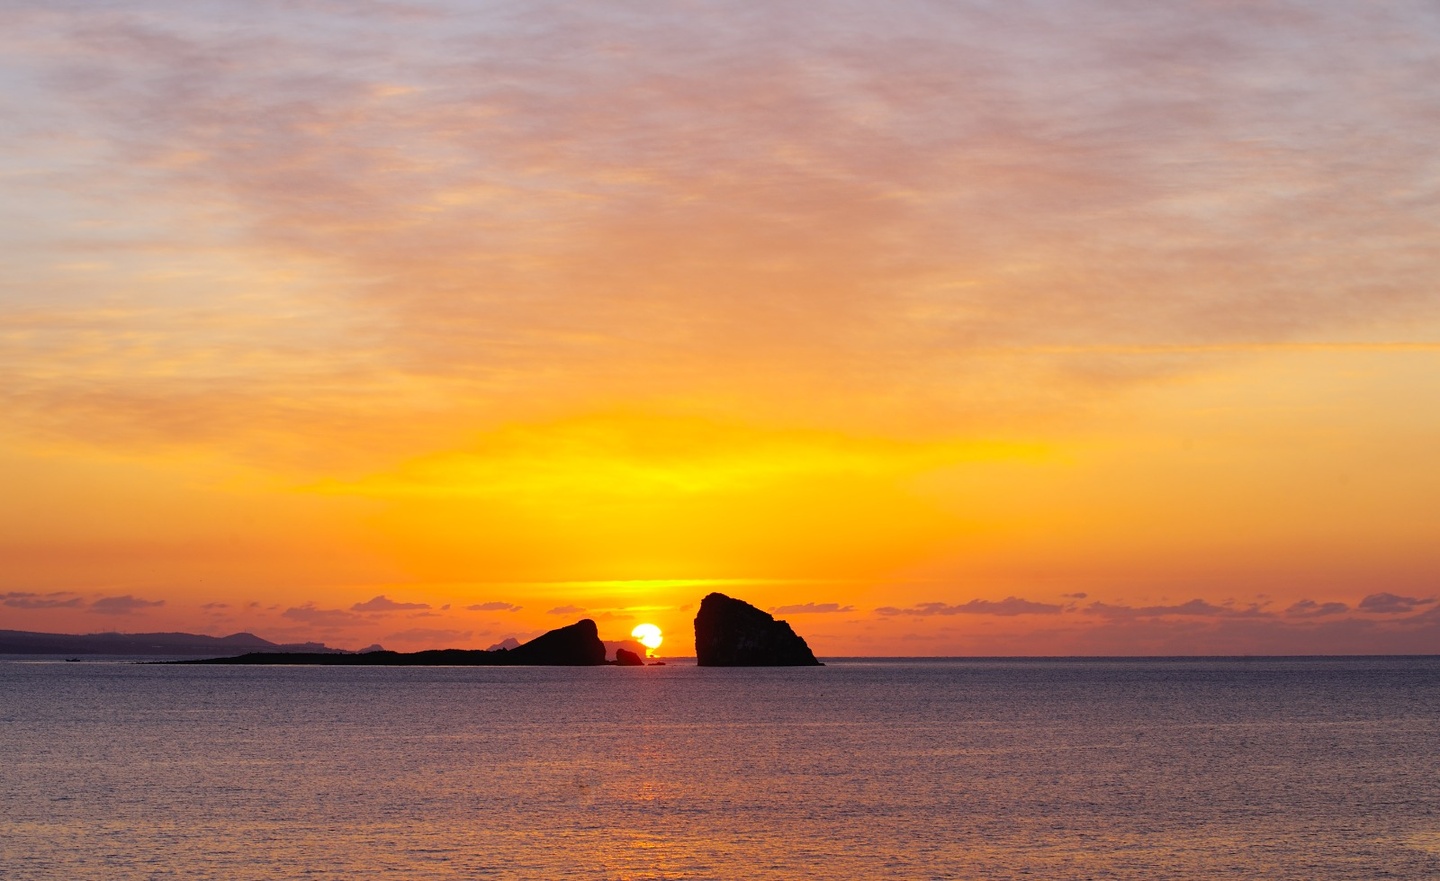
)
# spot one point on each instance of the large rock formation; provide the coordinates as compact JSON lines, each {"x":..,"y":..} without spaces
{"x":577,"y":645}
{"x":733,"y":633}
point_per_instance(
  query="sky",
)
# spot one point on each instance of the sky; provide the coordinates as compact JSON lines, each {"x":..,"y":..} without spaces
{"x":934,"y":328}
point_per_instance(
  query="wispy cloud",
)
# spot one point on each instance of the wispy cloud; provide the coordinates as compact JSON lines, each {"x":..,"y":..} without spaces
{"x":1312,"y":609}
{"x":494,"y":213}
{"x":431,"y":637}
{"x":493,"y":606}
{"x":812,"y":609}
{"x":1194,"y":608}
{"x":123,"y":605}
{"x":1390,"y":604}
{"x":385,"y":604}
{"x":309,"y":614}
{"x":1006,"y":607}
{"x":27,"y":600}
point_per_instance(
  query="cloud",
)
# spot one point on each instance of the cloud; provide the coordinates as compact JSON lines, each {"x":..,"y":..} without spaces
{"x":1390,"y":604}
{"x":812,"y":608}
{"x":431,"y":637}
{"x":384,"y":604}
{"x":614,"y":616}
{"x":1006,"y":607}
{"x":58,"y":600}
{"x":565,"y":610}
{"x":1075,"y":596}
{"x":210,"y":607}
{"x":308,"y":614}
{"x":493,"y":606}
{"x":123,"y":605}
{"x":1194,"y":608}
{"x":678,"y":188}
{"x":1312,"y":609}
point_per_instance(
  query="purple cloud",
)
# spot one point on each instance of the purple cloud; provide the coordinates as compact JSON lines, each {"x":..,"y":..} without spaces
{"x":1391,"y":604}
{"x":812,"y":609}
{"x":565,"y":610}
{"x":494,"y":606}
{"x":385,"y":604}
{"x":122,"y":605}
{"x":1194,"y":608}
{"x":59,"y":600}
{"x":1312,"y":609}
{"x":1006,"y":607}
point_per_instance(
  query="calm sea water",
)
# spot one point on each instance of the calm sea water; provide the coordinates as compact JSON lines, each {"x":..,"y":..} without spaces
{"x":1136,"y":769}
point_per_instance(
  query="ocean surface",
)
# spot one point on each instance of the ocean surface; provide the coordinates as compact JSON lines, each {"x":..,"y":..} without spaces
{"x":957,"y":769}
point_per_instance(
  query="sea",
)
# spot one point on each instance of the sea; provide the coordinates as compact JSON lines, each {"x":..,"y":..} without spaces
{"x":1194,"y":769}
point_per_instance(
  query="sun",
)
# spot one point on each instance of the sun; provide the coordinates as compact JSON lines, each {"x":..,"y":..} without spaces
{"x":648,"y":636}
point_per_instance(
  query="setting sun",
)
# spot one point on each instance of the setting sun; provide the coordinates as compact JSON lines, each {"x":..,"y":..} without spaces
{"x":648,"y":636}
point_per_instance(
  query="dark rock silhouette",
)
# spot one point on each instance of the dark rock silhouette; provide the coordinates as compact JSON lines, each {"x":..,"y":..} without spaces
{"x":733,"y":633}
{"x":626,"y":658}
{"x":629,"y":645}
{"x":576,"y":645}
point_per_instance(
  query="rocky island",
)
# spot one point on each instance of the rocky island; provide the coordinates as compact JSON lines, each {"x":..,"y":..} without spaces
{"x":733,"y":633}
{"x":576,"y":645}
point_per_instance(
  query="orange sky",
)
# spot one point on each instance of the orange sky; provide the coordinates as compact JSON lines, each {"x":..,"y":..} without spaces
{"x":967,"y":329}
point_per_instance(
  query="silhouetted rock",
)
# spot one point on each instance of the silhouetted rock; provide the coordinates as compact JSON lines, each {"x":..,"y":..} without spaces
{"x":629,"y":645}
{"x":577,"y":645}
{"x":625,"y":658}
{"x":733,"y":633}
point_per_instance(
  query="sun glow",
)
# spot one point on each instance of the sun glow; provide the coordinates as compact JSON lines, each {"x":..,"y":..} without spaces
{"x":648,"y":635}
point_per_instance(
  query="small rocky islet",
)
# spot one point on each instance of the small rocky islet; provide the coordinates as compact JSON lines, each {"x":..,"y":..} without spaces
{"x":728,"y":633}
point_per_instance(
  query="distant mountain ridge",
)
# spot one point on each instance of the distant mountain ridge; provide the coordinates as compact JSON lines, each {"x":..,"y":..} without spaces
{"x":24,"y":642}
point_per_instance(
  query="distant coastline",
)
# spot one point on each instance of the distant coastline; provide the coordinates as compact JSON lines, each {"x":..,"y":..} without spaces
{"x":24,"y":642}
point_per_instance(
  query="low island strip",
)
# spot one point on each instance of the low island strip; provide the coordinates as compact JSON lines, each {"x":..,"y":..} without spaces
{"x":575,"y":645}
